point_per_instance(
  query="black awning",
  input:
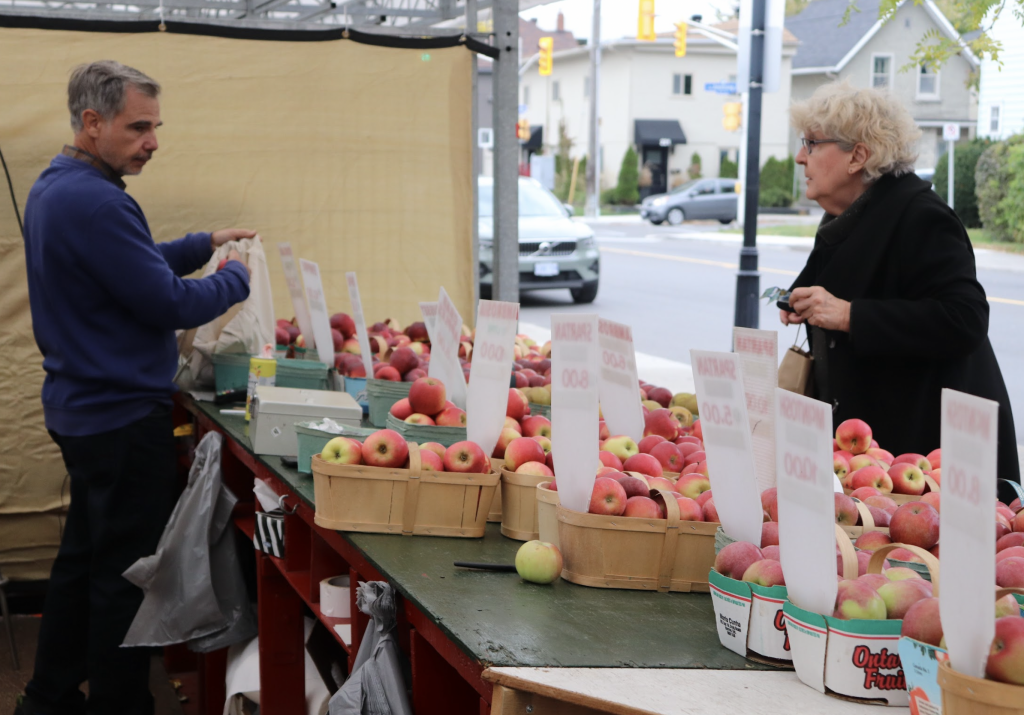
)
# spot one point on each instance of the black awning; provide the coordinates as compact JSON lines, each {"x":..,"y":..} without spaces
{"x":536,"y":140}
{"x":658,"y":132}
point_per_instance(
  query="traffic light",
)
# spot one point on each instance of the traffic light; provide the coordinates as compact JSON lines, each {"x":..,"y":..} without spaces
{"x":680,"y":39}
{"x":544,"y":62}
{"x":645,"y":24}
{"x":731,"y":121}
{"x":523,"y":130}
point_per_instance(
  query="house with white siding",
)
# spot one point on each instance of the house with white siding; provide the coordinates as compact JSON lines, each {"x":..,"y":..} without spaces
{"x":1001,"y":93}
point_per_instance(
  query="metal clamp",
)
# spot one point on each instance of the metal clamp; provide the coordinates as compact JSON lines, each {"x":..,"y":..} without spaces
{"x":280,"y":503}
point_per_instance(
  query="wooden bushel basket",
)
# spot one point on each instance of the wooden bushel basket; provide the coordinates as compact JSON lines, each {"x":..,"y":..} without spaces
{"x":494,"y":513}
{"x":401,"y":501}
{"x":965,"y":695}
{"x":519,"y":505}
{"x":642,"y":554}
{"x":547,"y":514}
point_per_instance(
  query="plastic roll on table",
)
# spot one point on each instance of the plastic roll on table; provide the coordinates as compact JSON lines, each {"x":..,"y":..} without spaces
{"x":335,"y":597}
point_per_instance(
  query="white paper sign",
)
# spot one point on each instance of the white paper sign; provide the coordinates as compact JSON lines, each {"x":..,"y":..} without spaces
{"x":318,"y":311}
{"x":758,"y":351}
{"x":574,"y":394}
{"x":620,"y":388}
{"x":360,"y":320}
{"x":429,"y":311}
{"x":970,"y":427}
{"x":291,"y":276}
{"x":490,"y":371}
{"x":718,"y":379}
{"x":803,"y":465}
{"x":444,"y":350}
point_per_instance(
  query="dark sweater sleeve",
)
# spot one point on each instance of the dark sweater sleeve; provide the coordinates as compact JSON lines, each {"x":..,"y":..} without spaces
{"x":136,"y":274}
{"x":944,"y":312}
{"x":187,"y":254}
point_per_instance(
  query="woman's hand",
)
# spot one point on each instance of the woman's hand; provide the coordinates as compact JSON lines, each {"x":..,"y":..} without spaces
{"x":819,"y":307}
{"x":788,"y":318}
{"x":219,"y":238}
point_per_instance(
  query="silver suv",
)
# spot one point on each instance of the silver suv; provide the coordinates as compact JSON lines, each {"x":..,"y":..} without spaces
{"x":696,"y":199}
{"x":554,"y":250}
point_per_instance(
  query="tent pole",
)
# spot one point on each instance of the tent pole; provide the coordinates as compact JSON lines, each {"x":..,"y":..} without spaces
{"x":505,"y":80}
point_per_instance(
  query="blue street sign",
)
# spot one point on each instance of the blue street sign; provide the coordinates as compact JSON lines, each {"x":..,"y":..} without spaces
{"x":720,"y":87}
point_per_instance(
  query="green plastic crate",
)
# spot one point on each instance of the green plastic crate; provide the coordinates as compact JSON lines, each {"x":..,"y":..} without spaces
{"x":312,"y":441}
{"x":230,"y":371}
{"x":302,"y":374}
{"x":421,"y":434}
{"x":382,"y":395}
{"x":541,"y":410}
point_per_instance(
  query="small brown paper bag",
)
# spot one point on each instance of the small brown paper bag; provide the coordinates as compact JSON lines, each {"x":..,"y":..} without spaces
{"x":796,"y":370}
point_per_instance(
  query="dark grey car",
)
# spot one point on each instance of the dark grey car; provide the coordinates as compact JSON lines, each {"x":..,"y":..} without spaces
{"x":699,"y":199}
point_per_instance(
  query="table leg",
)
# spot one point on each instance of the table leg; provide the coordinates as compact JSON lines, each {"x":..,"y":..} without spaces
{"x":282,"y":647}
{"x":437,"y":688}
{"x":213,"y":669}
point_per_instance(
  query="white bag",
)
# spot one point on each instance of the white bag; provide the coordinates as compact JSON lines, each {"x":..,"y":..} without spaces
{"x":245,"y":328}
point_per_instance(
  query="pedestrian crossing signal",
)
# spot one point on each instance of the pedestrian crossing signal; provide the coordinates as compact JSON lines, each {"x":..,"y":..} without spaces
{"x":645,"y":24}
{"x":545,"y":61}
{"x":731,"y":119}
{"x":680,"y":43}
{"x":523,"y":130}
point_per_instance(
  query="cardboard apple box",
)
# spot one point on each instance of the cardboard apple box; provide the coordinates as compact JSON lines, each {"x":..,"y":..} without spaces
{"x":855,"y":659}
{"x":750,"y":619}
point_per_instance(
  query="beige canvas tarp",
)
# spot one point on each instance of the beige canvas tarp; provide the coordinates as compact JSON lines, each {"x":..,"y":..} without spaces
{"x":358,"y":155}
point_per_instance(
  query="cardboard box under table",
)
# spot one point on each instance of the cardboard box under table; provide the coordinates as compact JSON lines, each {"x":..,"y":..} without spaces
{"x":276,"y":410}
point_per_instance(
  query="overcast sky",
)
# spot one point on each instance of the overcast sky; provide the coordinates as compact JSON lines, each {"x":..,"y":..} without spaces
{"x":619,"y":17}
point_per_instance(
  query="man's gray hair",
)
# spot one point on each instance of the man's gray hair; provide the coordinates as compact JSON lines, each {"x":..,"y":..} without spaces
{"x":102,"y":86}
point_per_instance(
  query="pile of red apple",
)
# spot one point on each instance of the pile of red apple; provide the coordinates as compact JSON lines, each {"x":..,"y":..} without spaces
{"x":427,"y":404}
{"x":386,"y":448}
{"x":859,"y":462}
{"x":520,"y":423}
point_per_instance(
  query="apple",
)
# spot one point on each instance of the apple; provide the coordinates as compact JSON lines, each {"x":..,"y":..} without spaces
{"x":769,"y":534}
{"x":1003,"y":526}
{"x":932,"y":499}
{"x":1013,"y":551}
{"x":697,"y":468}
{"x":1018,"y":522}
{"x":517,"y":404}
{"x":404,"y":360}
{"x":840,"y":466}
{"x":385,"y":448}
{"x":342,"y":450}
{"x":1007,"y":606}
{"x":1006,"y":657}
{"x":770,"y":503}
{"x":900,"y":554}
{"x":880,"y":517}
{"x":695,"y":458}
{"x":536,"y":425}
{"x":662,"y":484}
{"x":689,"y":509}
{"x":703,"y":497}
{"x":859,"y":461}
{"x":1010,"y":572}
{"x":690,"y":439}
{"x":451,"y":417}
{"x":647,"y":443}
{"x":915,"y":523}
{"x":935,"y":458}
{"x":539,"y":562}
{"x":918,"y":460}
{"x":734,"y":560}
{"x":522,"y":450}
{"x":645,"y":464}
{"x":854,"y":436}
{"x":467,"y":457}
{"x":435,"y":447}
{"x":608,"y":497}
{"x":882,"y":502}
{"x":417,"y":419}
{"x":621,"y":446}
{"x":692,"y":485}
{"x":610,"y":460}
{"x":874,"y":580}
{"x":710,"y":511}
{"x":871,"y":476}
{"x":900,"y":573}
{"x":1005,"y":511}
{"x":881,"y":455}
{"x":512,"y":423}
{"x":687,"y":448}
{"x":506,"y":436}
{"x":661,"y":395}
{"x":388,"y":373}
{"x":429,"y":460}
{"x":663,"y":423}
{"x":633,"y":486}
{"x":907,"y":478}
{"x":1014,"y":539}
{"x":641,"y":507}
{"x":401,"y":409}
{"x":669,"y":456}
{"x":427,"y":396}
{"x":899,"y":596}
{"x":856,"y":599}
{"x":846,"y":510}
{"x":921,"y":622}
{"x":282,"y":336}
{"x":414,"y":374}
{"x":771,"y":552}
{"x":765,"y":572}
{"x":872,"y":541}
{"x":603,"y":432}
{"x":343,"y":323}
{"x":537,"y":469}
{"x":864,"y":492}
{"x":543,"y":441}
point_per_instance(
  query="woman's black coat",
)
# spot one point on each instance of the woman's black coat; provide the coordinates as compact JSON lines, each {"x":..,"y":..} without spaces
{"x":918,"y":320}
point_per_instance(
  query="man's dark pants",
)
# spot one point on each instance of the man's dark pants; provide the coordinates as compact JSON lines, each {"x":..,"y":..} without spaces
{"x":123,"y":489}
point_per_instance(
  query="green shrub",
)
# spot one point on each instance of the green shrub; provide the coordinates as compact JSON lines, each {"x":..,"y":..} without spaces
{"x":627,"y":191}
{"x":776,"y":187}
{"x":774,"y":197}
{"x":992,"y":181}
{"x":694,"y":170}
{"x":1011,"y":208}
{"x":729,"y":169}
{"x":965,"y":161}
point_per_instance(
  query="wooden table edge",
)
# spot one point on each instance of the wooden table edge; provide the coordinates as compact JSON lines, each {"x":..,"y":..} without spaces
{"x":513,"y":682}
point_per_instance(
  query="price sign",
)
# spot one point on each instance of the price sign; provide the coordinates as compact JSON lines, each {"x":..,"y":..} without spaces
{"x":360,"y":320}
{"x":444,"y":350}
{"x":803,"y":465}
{"x":487,"y":400}
{"x":718,"y":378}
{"x":575,"y":382}
{"x":970,"y":427}
{"x":291,"y":276}
{"x":759,"y":355}
{"x":620,"y":388}
{"x":429,"y":312}
{"x":318,"y":311}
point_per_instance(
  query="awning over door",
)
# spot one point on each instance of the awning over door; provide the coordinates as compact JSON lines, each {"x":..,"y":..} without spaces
{"x":658,"y":132}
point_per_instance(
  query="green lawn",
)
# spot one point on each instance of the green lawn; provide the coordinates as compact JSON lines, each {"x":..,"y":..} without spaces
{"x":803,"y":230}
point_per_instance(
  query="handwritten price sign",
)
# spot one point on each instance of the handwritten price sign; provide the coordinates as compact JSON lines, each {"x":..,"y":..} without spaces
{"x":486,"y":402}
{"x":360,"y":320}
{"x":620,"y":391}
{"x":574,"y":395}
{"x":444,"y":349}
{"x":429,"y":312}
{"x":291,"y":276}
{"x":759,"y":355}
{"x":970,"y":428}
{"x":318,"y":311}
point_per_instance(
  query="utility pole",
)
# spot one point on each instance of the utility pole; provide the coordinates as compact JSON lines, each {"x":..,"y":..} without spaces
{"x":471,"y":30}
{"x":748,"y":280}
{"x":593,"y":206}
{"x":506,"y":152}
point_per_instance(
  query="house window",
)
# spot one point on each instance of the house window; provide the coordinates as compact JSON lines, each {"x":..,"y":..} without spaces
{"x":993,"y":120}
{"x":526,"y":96}
{"x":555,"y":94}
{"x":682,"y":84}
{"x":586,"y":87}
{"x":927,"y":83}
{"x":881,"y":71}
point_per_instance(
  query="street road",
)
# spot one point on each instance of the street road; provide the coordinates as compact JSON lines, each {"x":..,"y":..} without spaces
{"x":676,"y":287}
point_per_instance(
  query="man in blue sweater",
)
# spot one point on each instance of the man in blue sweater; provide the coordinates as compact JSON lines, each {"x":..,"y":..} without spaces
{"x":105,"y":303}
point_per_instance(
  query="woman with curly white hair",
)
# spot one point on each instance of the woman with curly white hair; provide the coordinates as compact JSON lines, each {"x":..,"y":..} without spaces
{"x":890,"y":297}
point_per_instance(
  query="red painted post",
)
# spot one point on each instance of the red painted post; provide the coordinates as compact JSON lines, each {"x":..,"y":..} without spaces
{"x":282,"y":648}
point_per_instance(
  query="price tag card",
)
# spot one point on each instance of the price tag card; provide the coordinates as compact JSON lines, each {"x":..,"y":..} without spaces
{"x":970,"y":427}
{"x":718,"y":379}
{"x":574,"y":393}
{"x":487,"y":400}
{"x":360,"y":320}
{"x":759,"y":355}
{"x":429,"y":311}
{"x":807,"y":530}
{"x":444,"y":350}
{"x":620,"y":388}
{"x":318,"y":311}
{"x":291,"y":276}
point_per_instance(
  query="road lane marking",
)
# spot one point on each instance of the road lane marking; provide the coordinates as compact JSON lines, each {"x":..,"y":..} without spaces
{"x":1008,"y":301}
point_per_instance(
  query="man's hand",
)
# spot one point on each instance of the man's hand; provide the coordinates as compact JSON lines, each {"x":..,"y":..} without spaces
{"x":219,"y":238}
{"x":787,"y":318}
{"x":819,"y":307}
{"x":234,"y":256}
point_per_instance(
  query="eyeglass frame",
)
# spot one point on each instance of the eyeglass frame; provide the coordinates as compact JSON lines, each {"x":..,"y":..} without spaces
{"x":809,"y":144}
